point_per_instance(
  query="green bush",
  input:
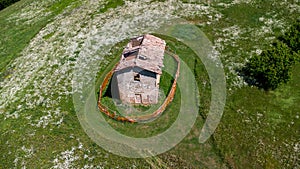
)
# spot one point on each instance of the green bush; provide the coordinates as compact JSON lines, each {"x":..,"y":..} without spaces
{"x":271,"y":68}
{"x":6,"y":3}
{"x":292,"y":37}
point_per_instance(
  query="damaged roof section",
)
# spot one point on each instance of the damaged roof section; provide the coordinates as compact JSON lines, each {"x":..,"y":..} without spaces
{"x":146,"y":52}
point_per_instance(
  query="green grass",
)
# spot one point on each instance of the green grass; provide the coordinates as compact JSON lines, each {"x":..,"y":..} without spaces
{"x":244,"y":15}
{"x":244,"y":138}
{"x":110,"y":4}
{"x":254,"y":117}
{"x":52,"y":140}
{"x":59,"y":6}
{"x":15,"y":37}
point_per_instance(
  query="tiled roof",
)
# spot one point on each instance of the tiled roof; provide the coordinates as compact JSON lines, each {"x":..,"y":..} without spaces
{"x":146,"y":52}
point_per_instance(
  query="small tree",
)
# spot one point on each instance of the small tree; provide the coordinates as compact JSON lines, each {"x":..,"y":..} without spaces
{"x":271,"y":68}
{"x":292,"y":37}
{"x":6,"y":3}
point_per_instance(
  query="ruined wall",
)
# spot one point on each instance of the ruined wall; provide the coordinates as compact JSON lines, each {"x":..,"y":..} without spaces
{"x":140,"y":90}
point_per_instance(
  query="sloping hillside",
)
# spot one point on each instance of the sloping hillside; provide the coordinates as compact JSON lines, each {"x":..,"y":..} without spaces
{"x":42,"y":43}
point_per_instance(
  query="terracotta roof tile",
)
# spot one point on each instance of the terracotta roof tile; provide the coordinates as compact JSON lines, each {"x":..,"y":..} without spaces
{"x":149,"y":55}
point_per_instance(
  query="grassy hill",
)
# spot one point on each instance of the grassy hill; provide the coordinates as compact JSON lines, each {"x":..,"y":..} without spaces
{"x":43,"y":43}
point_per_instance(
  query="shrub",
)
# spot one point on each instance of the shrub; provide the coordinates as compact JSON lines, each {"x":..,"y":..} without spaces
{"x":292,"y":37}
{"x":6,"y":3}
{"x":271,"y":68}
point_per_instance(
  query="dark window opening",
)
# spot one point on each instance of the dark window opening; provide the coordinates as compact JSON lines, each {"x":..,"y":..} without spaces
{"x":131,"y":54}
{"x":138,"y":98}
{"x":137,"y":77}
{"x":137,"y":41}
{"x":148,"y":73}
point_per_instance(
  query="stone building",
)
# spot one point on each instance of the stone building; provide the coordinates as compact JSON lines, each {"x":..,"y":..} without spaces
{"x":139,"y":70}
